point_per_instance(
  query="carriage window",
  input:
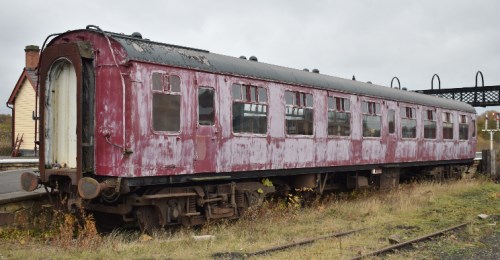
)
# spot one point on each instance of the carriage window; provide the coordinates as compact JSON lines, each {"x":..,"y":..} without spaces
{"x":430,"y":124}
{"x":309,"y":100}
{"x":447,"y":126}
{"x":157,"y":81}
{"x":408,"y":122}
{"x":262,"y":95}
{"x":166,"y":102}
{"x":237,"y":91}
{"x":339,"y":122}
{"x":299,"y":113}
{"x":463,"y":128}
{"x":206,"y":106}
{"x":253,"y":93}
{"x":391,"y":119}
{"x":290,"y":97}
{"x":249,"y":109}
{"x":473,"y":128}
{"x":371,"y":119}
{"x":175,"y":83}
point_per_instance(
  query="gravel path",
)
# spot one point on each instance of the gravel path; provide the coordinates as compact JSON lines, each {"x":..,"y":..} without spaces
{"x":490,"y":250}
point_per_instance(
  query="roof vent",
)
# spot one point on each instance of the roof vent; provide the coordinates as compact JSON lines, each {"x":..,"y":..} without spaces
{"x":315,"y":71}
{"x":306,"y":69}
{"x":137,"y":35}
{"x":253,"y":58}
{"x":243,"y":57}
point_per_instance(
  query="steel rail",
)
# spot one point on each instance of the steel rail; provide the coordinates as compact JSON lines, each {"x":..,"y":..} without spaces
{"x":283,"y":247}
{"x":389,"y":248}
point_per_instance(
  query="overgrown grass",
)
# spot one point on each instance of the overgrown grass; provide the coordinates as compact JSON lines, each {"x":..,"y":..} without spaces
{"x":54,"y":228}
{"x":410,"y":211}
{"x":5,"y":134}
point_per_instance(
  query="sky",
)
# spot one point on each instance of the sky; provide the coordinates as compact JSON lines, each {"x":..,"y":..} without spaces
{"x":375,"y":40}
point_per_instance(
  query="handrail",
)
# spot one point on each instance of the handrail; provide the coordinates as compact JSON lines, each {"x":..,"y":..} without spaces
{"x":482,"y":78}
{"x":399,"y":83}
{"x":432,"y":81}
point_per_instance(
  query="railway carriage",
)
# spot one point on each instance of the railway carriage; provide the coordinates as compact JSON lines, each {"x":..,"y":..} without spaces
{"x":163,"y":134}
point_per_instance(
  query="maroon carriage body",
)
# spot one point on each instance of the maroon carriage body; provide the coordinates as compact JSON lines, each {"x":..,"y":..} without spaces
{"x":116,"y":107}
{"x":160,"y":135}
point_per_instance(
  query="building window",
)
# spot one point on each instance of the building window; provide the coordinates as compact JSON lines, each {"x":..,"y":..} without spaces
{"x":391,"y":119}
{"x":447,"y":126}
{"x":249,"y":109}
{"x":339,"y":119}
{"x":430,"y":124}
{"x":371,"y":119}
{"x":299,"y":113}
{"x":463,"y":128}
{"x":166,"y":102}
{"x":206,"y":110}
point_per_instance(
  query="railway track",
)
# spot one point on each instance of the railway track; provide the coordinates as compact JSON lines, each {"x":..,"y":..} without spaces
{"x":408,"y":242}
{"x":269,"y":250}
{"x":302,"y":242}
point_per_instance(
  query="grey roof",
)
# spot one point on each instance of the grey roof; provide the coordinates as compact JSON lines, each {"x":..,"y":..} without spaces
{"x":172,"y":55}
{"x":32,"y":75}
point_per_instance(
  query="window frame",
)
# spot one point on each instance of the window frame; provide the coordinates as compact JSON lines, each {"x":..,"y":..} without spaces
{"x":389,"y":110}
{"x":299,"y":94}
{"x":460,"y":124}
{"x":451,"y":121}
{"x":198,"y":106}
{"x":371,"y":111}
{"x":474,"y":127}
{"x":408,"y":112}
{"x":335,"y":109}
{"x":425,"y":118}
{"x":168,"y":91}
{"x":248,"y":100}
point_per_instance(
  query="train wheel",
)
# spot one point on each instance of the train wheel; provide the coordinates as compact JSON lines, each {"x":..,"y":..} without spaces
{"x":148,"y":219}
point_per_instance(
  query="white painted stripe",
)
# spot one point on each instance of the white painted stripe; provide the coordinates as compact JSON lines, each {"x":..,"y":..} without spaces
{"x":18,"y":160}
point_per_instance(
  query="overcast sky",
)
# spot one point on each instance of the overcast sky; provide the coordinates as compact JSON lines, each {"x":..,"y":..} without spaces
{"x":374,"y":40}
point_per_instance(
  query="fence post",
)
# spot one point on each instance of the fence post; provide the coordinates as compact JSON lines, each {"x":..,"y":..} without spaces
{"x":490,"y":165}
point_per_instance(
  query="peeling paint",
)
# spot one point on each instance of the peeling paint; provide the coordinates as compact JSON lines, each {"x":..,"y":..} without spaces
{"x":197,"y":57}
{"x":137,"y":47}
{"x":212,"y":149}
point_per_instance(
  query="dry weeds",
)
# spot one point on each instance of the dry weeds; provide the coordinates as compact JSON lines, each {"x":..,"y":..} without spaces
{"x":410,"y":211}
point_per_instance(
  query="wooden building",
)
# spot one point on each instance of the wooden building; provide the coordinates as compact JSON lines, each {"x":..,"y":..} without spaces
{"x":23,"y":102}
